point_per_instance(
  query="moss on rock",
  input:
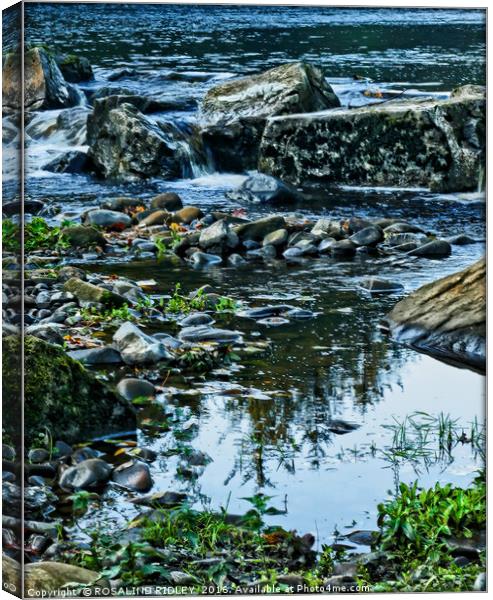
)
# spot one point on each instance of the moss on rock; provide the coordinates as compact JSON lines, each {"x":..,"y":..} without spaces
{"x":61,"y":395}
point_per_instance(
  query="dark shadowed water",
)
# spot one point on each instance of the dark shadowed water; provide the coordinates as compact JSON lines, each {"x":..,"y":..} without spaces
{"x":265,"y":424}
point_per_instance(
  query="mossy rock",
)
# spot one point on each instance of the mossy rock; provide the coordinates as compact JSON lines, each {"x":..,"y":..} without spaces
{"x":88,"y":292}
{"x":60,"y":395}
{"x":74,"y":68}
{"x":80,"y":236}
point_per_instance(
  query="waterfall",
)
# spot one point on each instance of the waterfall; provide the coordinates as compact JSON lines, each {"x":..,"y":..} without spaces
{"x":190,"y":148}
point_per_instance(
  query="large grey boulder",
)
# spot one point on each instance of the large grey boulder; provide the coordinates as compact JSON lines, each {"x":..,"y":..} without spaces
{"x":125,"y":144}
{"x":234,"y":112}
{"x":44,"y":84}
{"x":438,"y":144}
{"x":446,"y":318}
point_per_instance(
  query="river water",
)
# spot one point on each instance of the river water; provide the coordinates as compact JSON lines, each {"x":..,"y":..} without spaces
{"x":265,"y":424}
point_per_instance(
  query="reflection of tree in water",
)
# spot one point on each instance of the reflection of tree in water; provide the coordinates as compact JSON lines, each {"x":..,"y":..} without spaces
{"x":283,"y":429}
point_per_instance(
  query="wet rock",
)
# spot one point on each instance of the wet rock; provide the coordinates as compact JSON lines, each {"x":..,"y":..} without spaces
{"x":480,"y":583}
{"x":83,"y":454}
{"x":446,"y":318}
{"x":179,"y":578}
{"x":433,"y":249}
{"x":44,"y":577}
{"x":369,"y":236}
{"x":8,"y":452}
{"x":235,"y":112}
{"x":276,"y":238}
{"x":343,"y":249}
{"x":290,"y":88}
{"x":324,"y":246}
{"x":74,"y":68}
{"x":265,"y":311}
{"x":197,"y":458}
{"x":88,"y":474}
{"x":108,"y":219}
{"x":62,"y":394}
{"x":308,"y":247}
{"x":257,"y":230}
{"x":38,"y":455}
{"x":399,"y":239}
{"x":196,"y":319}
{"x":136,"y":347}
{"x":88,"y":292}
{"x":66,"y":273}
{"x":131,"y":388}
{"x":299,"y":313}
{"x":266,"y":190}
{"x":203,"y":259}
{"x":186,"y":215}
{"x":268,"y":251}
{"x":340,"y":427}
{"x":103,"y":355}
{"x":363,"y":537}
{"x":167,"y":201}
{"x":74,"y":161}
{"x":161,"y":499}
{"x":327,"y":228}
{"x":203,"y":333}
{"x":49,"y":332}
{"x":273,"y":321}
{"x":234,"y":148}
{"x":35,"y":543}
{"x":401,"y":227}
{"x":381,"y":286}
{"x":81,"y":236}
{"x":420,"y":143}
{"x":62,"y":449}
{"x":218,"y":234}
{"x":125,"y":144}
{"x":133,"y":475}
{"x":158,"y":217}
{"x":39,"y":498}
{"x":44,"y":85}
{"x":236,"y":260}
{"x":293,"y":253}
{"x":123,"y":204}
{"x":461,"y":240}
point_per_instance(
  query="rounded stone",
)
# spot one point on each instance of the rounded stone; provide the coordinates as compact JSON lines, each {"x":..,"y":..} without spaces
{"x":131,"y":388}
{"x":91,"y":473}
{"x":133,"y":475}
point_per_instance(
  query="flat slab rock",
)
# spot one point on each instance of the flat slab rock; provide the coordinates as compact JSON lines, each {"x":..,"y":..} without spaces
{"x":446,"y":318}
{"x":438,"y":144}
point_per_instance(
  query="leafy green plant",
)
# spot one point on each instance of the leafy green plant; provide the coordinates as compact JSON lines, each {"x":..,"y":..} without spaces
{"x":254,"y":518}
{"x":94,"y":315}
{"x":81,"y":499}
{"x":418,"y":521}
{"x":225,"y":304}
{"x":39,"y":235}
{"x":178,"y":303}
{"x":11,"y":236}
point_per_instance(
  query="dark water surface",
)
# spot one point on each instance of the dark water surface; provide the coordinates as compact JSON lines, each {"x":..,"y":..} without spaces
{"x":264,"y":423}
